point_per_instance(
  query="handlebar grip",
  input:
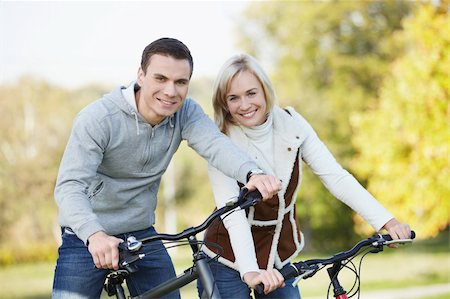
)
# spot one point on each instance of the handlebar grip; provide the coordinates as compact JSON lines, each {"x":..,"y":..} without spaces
{"x":260,"y":288}
{"x":123,"y":252}
{"x":122,"y":246}
{"x":242,"y":192}
{"x":288,"y":271}
{"x":254,"y":196}
{"x":388,"y":237}
{"x":250,"y":195}
{"x":248,"y":198}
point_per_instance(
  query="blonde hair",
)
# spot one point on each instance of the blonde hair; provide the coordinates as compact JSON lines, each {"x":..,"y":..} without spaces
{"x":233,"y":66}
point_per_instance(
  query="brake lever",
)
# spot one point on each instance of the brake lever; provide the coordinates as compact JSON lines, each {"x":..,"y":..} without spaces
{"x":306,"y":273}
{"x":396,"y":241}
{"x":128,"y":256}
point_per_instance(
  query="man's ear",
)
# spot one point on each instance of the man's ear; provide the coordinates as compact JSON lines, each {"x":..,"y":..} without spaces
{"x":140,"y":76}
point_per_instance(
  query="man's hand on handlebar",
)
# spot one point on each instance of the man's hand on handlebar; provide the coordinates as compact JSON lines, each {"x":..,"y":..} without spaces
{"x":271,"y":279}
{"x":104,"y":250}
{"x":267,"y":185}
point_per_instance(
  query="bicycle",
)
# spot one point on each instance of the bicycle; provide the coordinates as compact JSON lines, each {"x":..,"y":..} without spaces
{"x":308,"y":268}
{"x":130,"y":252}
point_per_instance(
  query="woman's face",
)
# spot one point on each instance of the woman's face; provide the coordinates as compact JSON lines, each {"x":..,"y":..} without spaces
{"x":246,"y":100}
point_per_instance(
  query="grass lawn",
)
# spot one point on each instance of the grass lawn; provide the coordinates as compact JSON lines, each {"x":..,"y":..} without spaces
{"x":422,"y":263}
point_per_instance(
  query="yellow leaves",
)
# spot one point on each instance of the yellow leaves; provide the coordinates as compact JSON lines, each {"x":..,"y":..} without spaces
{"x":413,"y":180}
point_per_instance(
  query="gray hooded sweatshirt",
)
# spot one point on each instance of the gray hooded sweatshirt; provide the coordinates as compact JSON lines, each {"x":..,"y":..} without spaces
{"x":112,"y":166}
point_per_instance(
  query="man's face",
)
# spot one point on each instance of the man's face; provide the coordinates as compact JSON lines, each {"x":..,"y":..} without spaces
{"x":164,"y":87}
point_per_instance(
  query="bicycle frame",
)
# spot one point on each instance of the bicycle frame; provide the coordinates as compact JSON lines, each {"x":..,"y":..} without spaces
{"x":200,"y":269}
{"x":129,"y":253}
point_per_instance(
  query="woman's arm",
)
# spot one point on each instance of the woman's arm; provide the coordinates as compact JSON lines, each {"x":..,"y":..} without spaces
{"x":339,"y":181}
{"x":224,"y":189}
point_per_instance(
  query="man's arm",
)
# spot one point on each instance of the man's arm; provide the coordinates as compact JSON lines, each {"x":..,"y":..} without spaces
{"x":205,"y":138}
{"x":77,"y":172}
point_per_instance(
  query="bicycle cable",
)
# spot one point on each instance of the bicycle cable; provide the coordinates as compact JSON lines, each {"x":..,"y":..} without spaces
{"x":355,"y":282}
{"x":364,"y":254}
{"x":357,"y":271}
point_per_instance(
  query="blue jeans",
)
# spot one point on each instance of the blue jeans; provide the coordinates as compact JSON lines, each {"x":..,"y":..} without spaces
{"x":76,"y":276}
{"x":230,"y":285}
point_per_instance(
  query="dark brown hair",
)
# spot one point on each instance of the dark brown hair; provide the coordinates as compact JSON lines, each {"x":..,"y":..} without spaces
{"x":169,"y":47}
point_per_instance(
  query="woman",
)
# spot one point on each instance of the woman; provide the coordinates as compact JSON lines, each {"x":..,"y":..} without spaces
{"x":268,"y":236}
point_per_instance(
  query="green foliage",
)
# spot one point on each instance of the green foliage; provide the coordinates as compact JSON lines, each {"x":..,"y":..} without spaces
{"x":34,"y":251}
{"x":35,"y":118}
{"x":30,"y":141}
{"x":404,"y":139}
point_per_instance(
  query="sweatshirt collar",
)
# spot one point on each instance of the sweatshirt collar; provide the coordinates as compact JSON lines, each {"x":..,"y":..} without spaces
{"x":129,"y":95}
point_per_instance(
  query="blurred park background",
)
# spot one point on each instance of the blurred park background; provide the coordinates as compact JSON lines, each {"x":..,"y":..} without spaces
{"x":372,"y":77}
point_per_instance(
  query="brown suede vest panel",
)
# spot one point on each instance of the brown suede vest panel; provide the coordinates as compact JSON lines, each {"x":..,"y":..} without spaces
{"x":263,"y":236}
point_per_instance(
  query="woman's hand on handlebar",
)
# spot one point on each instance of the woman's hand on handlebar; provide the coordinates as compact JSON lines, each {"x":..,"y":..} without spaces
{"x":271,"y":279}
{"x":267,"y":185}
{"x":397,"y":230}
{"x":104,"y":250}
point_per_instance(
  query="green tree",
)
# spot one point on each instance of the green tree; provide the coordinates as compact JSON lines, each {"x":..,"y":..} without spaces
{"x":403,"y":139}
{"x":35,"y":120}
{"x":329,"y":58}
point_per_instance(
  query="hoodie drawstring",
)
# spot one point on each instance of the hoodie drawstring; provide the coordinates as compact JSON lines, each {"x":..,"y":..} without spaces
{"x":137,"y":122}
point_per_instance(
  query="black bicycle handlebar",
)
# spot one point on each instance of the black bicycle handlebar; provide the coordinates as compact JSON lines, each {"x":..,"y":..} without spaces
{"x":244,"y":200}
{"x":309,"y":267}
{"x":129,"y":251}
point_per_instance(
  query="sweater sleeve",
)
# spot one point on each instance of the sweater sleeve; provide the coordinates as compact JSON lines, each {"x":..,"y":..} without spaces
{"x":339,"y":181}
{"x":206,"y":139}
{"x":225,"y":188}
{"x":77,"y":171}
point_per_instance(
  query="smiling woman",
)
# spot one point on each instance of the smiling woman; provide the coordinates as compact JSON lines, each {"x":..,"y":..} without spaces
{"x":103,"y":47}
{"x":268,"y":236}
{"x":246,"y":101}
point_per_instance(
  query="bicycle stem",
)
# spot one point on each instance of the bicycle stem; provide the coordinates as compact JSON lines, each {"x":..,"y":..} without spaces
{"x":338,"y":290}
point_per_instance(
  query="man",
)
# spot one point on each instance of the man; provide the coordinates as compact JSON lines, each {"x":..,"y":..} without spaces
{"x":110,"y":173}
